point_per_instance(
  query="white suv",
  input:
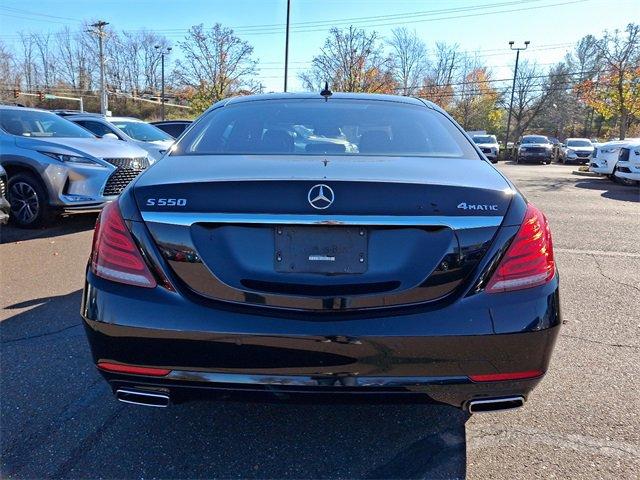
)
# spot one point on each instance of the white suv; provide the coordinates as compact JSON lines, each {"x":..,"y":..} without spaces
{"x":577,"y":150}
{"x":628,"y":167}
{"x":605,"y":157}
{"x":489,"y":146}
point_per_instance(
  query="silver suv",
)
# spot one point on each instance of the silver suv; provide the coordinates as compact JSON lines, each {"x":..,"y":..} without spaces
{"x":131,"y":130}
{"x":55,"y":165}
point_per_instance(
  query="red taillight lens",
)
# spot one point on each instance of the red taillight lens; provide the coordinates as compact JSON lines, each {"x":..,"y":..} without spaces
{"x":133,"y":370}
{"x":501,"y":377}
{"x":115,"y":256}
{"x":529,"y":259}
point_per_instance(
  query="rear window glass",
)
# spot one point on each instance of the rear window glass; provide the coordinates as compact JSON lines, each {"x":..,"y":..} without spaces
{"x":334,"y":127}
{"x":536,"y":139}
{"x":579,"y":143}
{"x":485,"y":139}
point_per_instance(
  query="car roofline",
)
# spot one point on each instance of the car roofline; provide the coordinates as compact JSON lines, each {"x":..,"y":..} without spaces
{"x":28,"y":109}
{"x":334,"y":96}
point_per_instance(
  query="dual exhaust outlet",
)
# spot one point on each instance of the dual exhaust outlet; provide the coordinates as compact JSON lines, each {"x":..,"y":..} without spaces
{"x":143,"y":397}
{"x":162,"y":400}
{"x":495,"y":404}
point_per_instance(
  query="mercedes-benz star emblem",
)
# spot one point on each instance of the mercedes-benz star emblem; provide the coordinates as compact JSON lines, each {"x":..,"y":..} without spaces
{"x":320,"y":196}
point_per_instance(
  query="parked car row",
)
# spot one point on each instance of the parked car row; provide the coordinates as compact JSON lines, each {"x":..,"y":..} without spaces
{"x":69,"y":161}
{"x":537,"y":149}
{"x":618,"y":159}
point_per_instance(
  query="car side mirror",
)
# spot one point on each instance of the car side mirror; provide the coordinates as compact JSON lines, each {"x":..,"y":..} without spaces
{"x":112,"y":136}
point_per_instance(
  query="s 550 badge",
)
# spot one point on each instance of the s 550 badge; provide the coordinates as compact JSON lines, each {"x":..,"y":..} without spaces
{"x":476,"y":206}
{"x":166,"y":202}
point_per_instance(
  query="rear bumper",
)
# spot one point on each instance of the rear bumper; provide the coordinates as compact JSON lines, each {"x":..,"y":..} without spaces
{"x":577,"y":159}
{"x":427,"y":355}
{"x":635,"y":176}
{"x":534,"y":157}
{"x":595,"y":168}
{"x":183,"y":386}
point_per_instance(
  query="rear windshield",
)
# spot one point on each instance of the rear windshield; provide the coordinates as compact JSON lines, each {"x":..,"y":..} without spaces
{"x":141,"y":131}
{"x":485,"y":139}
{"x":579,"y":143}
{"x":536,"y":139}
{"x":334,"y":127}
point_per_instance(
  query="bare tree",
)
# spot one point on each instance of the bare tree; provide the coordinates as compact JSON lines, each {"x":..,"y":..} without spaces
{"x":468,"y":88}
{"x":45,"y":58}
{"x":215,"y":64}
{"x":9,"y":75}
{"x":585,"y":59}
{"x":529,"y":97}
{"x":621,"y":55}
{"x":561,"y":114}
{"x":27,"y":61}
{"x":437,"y":84}
{"x":410,"y":61}
{"x":351,"y":60}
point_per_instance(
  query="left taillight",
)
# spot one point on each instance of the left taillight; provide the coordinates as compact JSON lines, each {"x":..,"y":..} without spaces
{"x":115,"y":255}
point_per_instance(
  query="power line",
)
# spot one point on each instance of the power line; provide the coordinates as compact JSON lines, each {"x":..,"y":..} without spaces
{"x":27,"y":12}
{"x":557,"y":84}
{"x":310,"y":27}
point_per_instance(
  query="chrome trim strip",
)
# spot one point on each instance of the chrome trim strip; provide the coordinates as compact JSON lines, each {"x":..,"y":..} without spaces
{"x":321,"y":380}
{"x":187,"y":219}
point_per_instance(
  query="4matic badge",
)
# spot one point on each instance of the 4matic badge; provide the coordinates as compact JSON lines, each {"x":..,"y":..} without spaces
{"x":476,"y":206}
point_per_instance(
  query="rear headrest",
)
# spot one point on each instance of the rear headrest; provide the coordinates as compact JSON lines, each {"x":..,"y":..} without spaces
{"x":374,"y":141}
{"x":325,"y":147}
{"x":277,"y":141}
{"x":13,"y":126}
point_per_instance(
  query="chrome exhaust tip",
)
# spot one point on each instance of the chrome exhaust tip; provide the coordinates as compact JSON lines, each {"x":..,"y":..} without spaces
{"x":495,"y":404}
{"x":141,"y":397}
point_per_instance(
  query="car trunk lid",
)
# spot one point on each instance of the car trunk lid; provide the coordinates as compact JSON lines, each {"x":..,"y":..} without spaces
{"x":388,"y":231}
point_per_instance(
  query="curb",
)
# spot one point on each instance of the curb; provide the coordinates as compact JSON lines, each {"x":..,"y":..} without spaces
{"x":587,"y":174}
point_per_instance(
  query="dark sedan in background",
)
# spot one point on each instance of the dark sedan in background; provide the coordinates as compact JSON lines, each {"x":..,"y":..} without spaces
{"x":175,"y":128}
{"x":535,"y":149}
{"x":402,"y":263}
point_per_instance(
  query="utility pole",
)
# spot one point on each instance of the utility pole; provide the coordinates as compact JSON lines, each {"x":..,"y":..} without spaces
{"x":286,"y":47}
{"x":513,"y":88}
{"x":163,"y":52}
{"x":99,"y":31}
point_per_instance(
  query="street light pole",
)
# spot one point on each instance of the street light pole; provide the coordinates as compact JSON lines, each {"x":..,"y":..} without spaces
{"x":513,"y":88}
{"x":99,"y":31}
{"x":162,"y":54}
{"x":286,"y":47}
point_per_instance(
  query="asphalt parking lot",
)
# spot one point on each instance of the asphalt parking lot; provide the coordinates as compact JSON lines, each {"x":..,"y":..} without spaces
{"x":59,"y":420}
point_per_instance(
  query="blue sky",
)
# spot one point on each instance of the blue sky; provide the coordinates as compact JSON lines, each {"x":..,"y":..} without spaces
{"x":479,"y":26}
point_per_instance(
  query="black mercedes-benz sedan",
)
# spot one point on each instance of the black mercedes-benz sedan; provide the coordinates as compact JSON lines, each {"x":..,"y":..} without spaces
{"x":327,"y":246}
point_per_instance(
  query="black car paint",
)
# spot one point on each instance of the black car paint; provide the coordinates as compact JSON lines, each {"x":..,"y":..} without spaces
{"x":428,"y":346}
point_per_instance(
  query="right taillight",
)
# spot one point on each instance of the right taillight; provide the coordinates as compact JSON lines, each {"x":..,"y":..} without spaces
{"x":115,"y":256}
{"x":528,"y":261}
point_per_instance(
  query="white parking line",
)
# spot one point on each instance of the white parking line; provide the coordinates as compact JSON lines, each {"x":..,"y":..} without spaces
{"x":596,"y":252}
{"x":508,"y":437}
